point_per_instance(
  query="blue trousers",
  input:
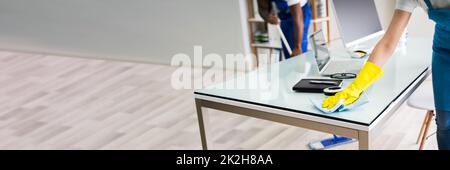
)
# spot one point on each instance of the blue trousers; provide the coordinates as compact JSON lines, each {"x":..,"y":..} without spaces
{"x":443,"y":129}
{"x":288,"y":28}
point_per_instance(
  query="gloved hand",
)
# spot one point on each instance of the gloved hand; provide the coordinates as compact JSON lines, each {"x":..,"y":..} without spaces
{"x":368,"y":74}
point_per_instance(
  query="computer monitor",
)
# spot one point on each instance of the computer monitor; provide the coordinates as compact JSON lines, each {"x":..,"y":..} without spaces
{"x":357,"y":21}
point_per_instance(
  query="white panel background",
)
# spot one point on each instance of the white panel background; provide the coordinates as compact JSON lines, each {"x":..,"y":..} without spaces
{"x":135,"y":30}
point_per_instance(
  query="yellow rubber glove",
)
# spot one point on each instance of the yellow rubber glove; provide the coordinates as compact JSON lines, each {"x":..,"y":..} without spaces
{"x":368,"y":74}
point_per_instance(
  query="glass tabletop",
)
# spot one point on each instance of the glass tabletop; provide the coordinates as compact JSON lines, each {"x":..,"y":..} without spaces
{"x":271,"y":85}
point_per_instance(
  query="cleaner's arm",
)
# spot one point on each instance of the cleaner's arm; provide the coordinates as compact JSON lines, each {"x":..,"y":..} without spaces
{"x":372,"y":69}
{"x":386,"y":46}
{"x":297,"y":14}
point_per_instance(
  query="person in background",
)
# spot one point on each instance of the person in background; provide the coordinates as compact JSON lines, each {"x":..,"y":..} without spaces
{"x":295,"y":17}
{"x":439,"y":12}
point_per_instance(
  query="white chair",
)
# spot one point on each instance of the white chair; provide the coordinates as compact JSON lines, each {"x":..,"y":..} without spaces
{"x":423,"y":99}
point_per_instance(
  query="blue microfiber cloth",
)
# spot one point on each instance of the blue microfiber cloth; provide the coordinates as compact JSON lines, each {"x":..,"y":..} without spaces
{"x":317,"y":102}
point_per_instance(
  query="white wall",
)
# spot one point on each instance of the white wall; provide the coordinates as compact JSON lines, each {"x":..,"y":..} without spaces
{"x":138,"y":30}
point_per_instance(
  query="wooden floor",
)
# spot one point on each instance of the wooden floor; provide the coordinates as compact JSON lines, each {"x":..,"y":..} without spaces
{"x":51,"y":102}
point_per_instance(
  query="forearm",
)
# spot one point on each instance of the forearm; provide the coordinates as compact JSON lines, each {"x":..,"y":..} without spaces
{"x":299,"y":34}
{"x":382,"y":52}
{"x":297,"y":14}
{"x":387,"y":45}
